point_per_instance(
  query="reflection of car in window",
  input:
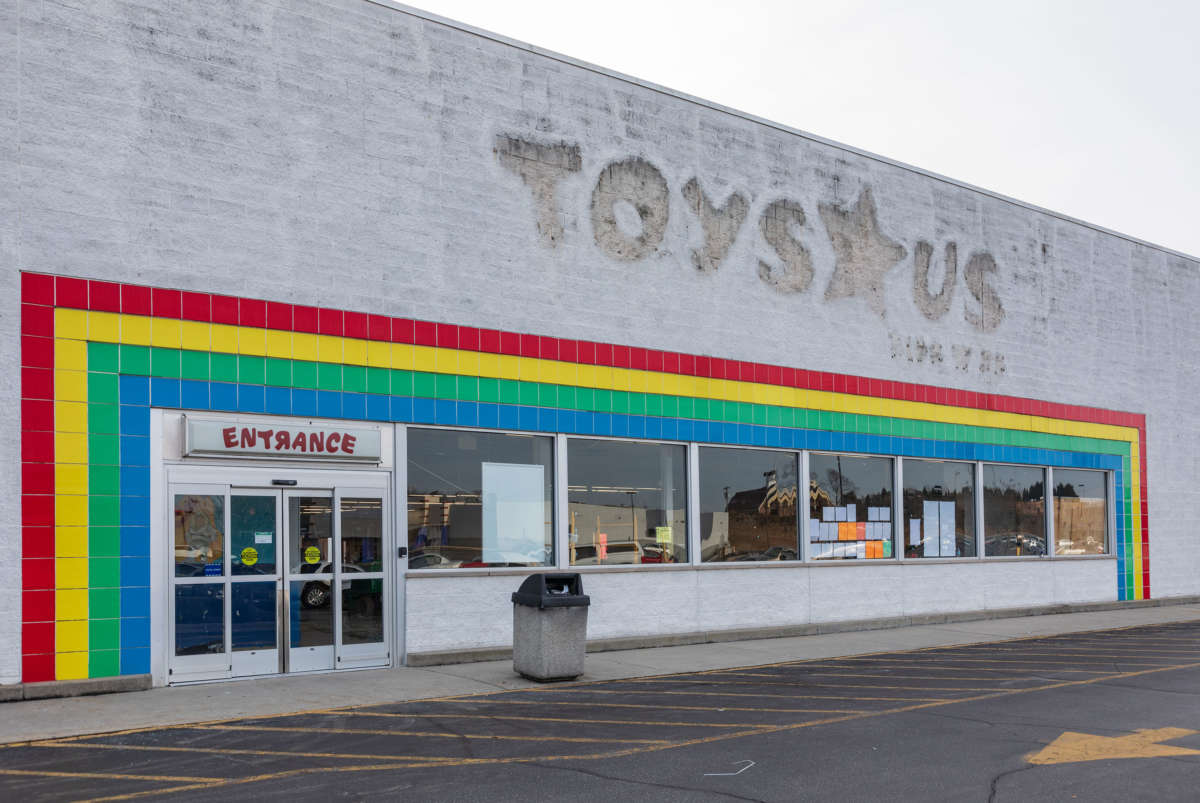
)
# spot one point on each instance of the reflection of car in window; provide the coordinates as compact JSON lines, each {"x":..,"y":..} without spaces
{"x":318,"y":593}
{"x":431,"y":560}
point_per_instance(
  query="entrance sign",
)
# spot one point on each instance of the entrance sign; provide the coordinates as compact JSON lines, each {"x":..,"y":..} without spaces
{"x":514,"y":513}
{"x":234,"y":439}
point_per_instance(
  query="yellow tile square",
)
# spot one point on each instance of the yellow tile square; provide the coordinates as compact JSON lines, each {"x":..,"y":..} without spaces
{"x":379,"y":355}
{"x":510,"y":366}
{"x":166,"y":333}
{"x":304,"y":346}
{"x":71,"y":604}
{"x":70,"y":572}
{"x":71,"y":478}
{"x":224,"y":338}
{"x":279,"y":344}
{"x":489,"y":365}
{"x":70,"y":385}
{"x":195,"y":336}
{"x":135,"y":330}
{"x":468,"y":363}
{"x":329,"y":348}
{"x":252,"y":340}
{"x":71,"y":509}
{"x":70,"y":447}
{"x":70,"y":542}
{"x":354,"y":351}
{"x":424,"y":359}
{"x":445,"y":361}
{"x":70,"y":416}
{"x":402,"y":357}
{"x":104,"y":327}
{"x":70,"y":323}
{"x":70,"y":355}
{"x":71,"y":665}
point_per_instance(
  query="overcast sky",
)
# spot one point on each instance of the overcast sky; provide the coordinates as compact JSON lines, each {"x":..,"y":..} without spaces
{"x":1088,"y":108}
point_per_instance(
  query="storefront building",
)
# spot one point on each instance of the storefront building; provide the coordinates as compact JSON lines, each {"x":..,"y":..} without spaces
{"x":326,"y":343}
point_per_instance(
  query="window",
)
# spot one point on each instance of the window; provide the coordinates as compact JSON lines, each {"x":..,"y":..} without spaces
{"x":1080,"y":512}
{"x":748,"y":505}
{"x":1014,"y":510}
{"x":479,"y":499}
{"x":850,"y":507}
{"x":939,"y":509}
{"x":627,"y":502}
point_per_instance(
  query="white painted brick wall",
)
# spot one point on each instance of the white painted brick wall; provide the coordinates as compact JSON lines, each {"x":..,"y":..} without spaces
{"x":341,"y":153}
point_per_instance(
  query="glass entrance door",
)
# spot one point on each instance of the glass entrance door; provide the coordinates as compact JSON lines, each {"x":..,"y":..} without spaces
{"x":267,"y":581}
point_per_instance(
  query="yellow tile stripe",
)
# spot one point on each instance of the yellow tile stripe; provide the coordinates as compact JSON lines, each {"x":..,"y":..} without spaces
{"x":70,"y":510}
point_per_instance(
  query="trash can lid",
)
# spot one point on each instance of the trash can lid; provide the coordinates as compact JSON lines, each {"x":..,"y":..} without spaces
{"x":560,"y":590}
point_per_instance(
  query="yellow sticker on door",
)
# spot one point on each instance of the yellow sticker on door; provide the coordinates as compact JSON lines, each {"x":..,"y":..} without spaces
{"x":249,"y":556}
{"x":312,"y":555}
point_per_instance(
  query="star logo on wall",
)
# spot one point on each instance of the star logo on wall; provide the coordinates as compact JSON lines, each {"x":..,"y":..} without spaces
{"x":863,"y":253}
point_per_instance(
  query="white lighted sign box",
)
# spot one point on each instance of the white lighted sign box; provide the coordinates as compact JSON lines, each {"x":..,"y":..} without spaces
{"x":208,"y":438}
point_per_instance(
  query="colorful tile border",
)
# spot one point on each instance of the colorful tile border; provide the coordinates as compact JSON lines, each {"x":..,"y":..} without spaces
{"x":96,"y":356}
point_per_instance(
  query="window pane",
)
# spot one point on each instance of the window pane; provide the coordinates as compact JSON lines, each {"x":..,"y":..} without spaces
{"x":200,"y":619}
{"x":1080,"y":512}
{"x":939,"y":509}
{"x":310,"y":539}
{"x":628,"y":502}
{"x":362,"y":611}
{"x":362,"y":534}
{"x":479,"y":499}
{"x":747,"y":505}
{"x":252,"y":534}
{"x":850,"y":507}
{"x":1014,"y":510}
{"x":199,"y":535}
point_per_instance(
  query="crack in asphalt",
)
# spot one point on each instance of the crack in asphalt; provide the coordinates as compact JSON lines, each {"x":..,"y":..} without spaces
{"x":672,"y":787}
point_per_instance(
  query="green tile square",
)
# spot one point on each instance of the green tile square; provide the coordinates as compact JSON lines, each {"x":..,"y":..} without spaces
{"x":354,"y":378}
{"x":304,"y":374}
{"x":104,"y":449}
{"x":102,"y":388}
{"x":585,"y":398}
{"x":104,"y":541}
{"x":104,"y":418}
{"x":489,"y":389}
{"x":378,"y":381}
{"x":104,"y":573}
{"x":251,"y":369}
{"x":758,"y":414}
{"x":468,"y":388}
{"x":685,"y":406}
{"x":104,"y":510}
{"x":104,"y":634}
{"x":194,"y":365}
{"x":104,"y":663}
{"x":547,"y":395}
{"x":700,"y":409}
{"x":277,"y":372}
{"x":104,"y":480}
{"x":445,"y":386}
{"x":135,"y":360}
{"x":402,"y":383}
{"x":527,"y":393}
{"x":653,"y":404}
{"x":566,"y":397}
{"x":509,"y":393}
{"x":104,"y":603}
{"x":329,"y":376}
{"x":621,"y":401}
{"x":103,"y":357}
{"x":604,"y":401}
{"x":164,"y":363}
{"x":224,"y":367}
{"x":423,"y":385}
{"x":774,"y":417}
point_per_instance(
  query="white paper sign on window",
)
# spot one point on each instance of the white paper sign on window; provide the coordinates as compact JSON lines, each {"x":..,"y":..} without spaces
{"x":514,"y":513}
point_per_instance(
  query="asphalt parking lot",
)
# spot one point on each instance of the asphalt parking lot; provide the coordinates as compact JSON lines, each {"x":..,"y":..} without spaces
{"x":1099,"y":715}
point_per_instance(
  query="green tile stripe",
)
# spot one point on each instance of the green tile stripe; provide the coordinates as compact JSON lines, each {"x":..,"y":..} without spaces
{"x":104,"y":511}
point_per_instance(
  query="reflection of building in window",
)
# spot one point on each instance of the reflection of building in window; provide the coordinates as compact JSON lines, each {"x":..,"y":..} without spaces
{"x":1080,"y":512}
{"x":199,"y":528}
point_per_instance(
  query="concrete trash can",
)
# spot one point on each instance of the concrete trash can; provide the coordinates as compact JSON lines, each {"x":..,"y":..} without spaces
{"x":550,"y":627}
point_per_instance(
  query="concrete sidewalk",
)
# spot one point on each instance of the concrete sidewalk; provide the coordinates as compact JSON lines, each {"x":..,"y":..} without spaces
{"x":39,"y":719}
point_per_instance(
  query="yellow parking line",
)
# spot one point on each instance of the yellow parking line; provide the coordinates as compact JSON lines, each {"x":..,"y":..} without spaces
{"x":737,"y":694}
{"x":572,"y":720}
{"x":115,"y":776}
{"x":667,"y":707}
{"x":424,"y":734}
{"x":799,"y":684}
{"x":236,"y":751}
{"x":1006,"y":670}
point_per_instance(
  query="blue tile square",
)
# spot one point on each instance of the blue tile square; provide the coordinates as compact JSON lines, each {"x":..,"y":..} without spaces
{"x":547,"y":419}
{"x":423,"y":411}
{"x":135,"y":450}
{"x":135,"y":601}
{"x":445,"y":412}
{"x":277,"y":401}
{"x":728,"y":432}
{"x":378,"y":408}
{"x":135,"y":420}
{"x":135,"y":571}
{"x":164,"y":392}
{"x":489,"y":415}
{"x":329,"y":403}
{"x":670,"y":428}
{"x":134,"y":389}
{"x":304,"y":401}
{"x":135,"y":542}
{"x":193,"y":395}
{"x":402,"y":408}
{"x":636,"y":426}
{"x":354,"y":405}
{"x":617,"y":425}
{"x":468,"y":414}
{"x":135,"y":632}
{"x":135,"y":661}
{"x":223,"y":396}
{"x":135,"y":511}
{"x":585,"y":423}
{"x":527,"y":418}
{"x":135,"y":481}
{"x":251,"y":398}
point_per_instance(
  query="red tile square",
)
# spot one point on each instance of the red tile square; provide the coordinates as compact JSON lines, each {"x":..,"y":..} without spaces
{"x":762,"y":373}
{"x":548,"y":348}
{"x":304,"y":319}
{"x":424,"y":333}
{"x":620,"y":356}
{"x":354,"y":324}
{"x":774,"y":374}
{"x":824,"y":381}
{"x":329,"y":321}
{"x":37,"y":574}
{"x":604,"y":354}
{"x":37,"y":605}
{"x":37,"y":668}
{"x":379,"y":327}
{"x":671,"y":362}
{"x":279,"y":316}
{"x":69,"y":292}
{"x":135,"y":299}
{"x":252,"y":312}
{"x":510,"y":343}
{"x":37,"y":447}
{"x":165,"y":303}
{"x":38,"y":542}
{"x":403,"y":330}
{"x":37,"y":637}
{"x":703,"y":366}
{"x":225,"y":310}
{"x":529,"y":346}
{"x":104,"y":296}
{"x":195,"y":307}
{"x":586,"y":352}
{"x":637,"y":358}
{"x":468,"y":338}
{"x":37,"y":320}
{"x":447,"y":336}
{"x":37,"y":288}
{"x":654,"y":360}
{"x":568,"y":350}
{"x":37,"y":510}
{"x":787,"y":377}
{"x":37,"y":383}
{"x":489,"y":341}
{"x":37,"y":352}
{"x":37,"y":478}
